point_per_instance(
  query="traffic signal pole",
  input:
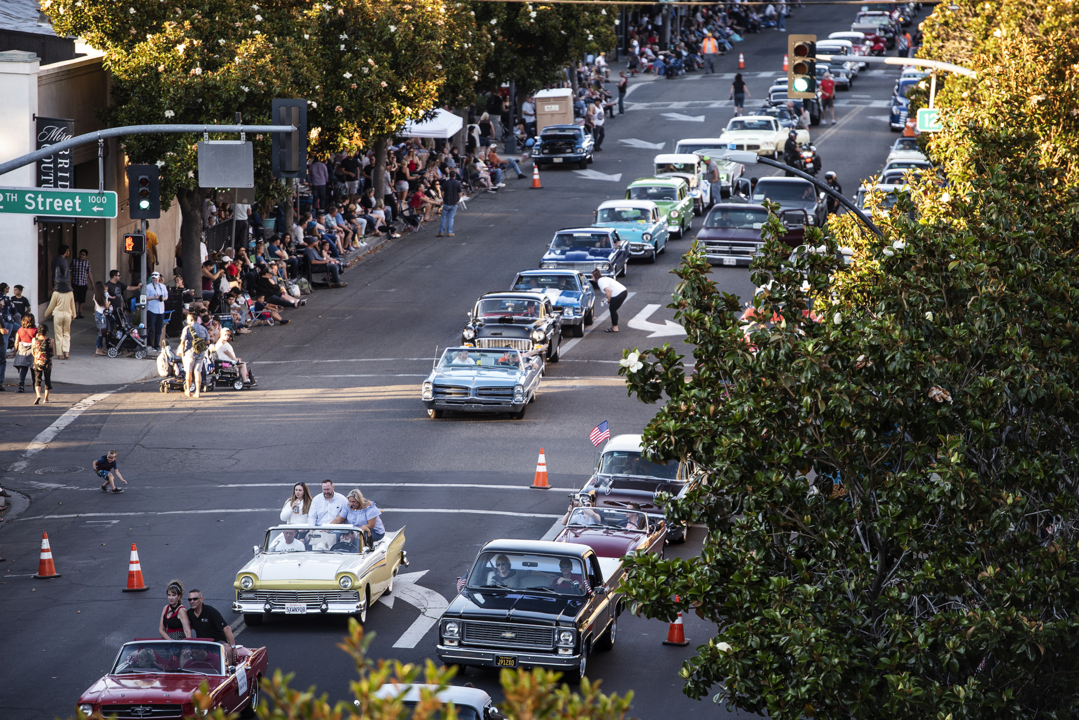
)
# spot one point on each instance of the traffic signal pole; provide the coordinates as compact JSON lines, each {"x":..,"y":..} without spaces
{"x":902,"y":61}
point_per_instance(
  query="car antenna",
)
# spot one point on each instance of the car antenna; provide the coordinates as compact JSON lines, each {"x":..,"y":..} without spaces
{"x":434,"y":360}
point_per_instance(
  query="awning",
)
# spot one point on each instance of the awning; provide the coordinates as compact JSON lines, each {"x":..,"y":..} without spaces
{"x":443,"y":125}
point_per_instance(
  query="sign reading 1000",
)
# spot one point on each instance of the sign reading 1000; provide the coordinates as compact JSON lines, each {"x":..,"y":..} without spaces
{"x":61,"y":203}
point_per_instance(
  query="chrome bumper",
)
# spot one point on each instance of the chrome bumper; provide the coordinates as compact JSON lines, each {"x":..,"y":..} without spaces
{"x":254,"y":607}
{"x":643,"y":249}
{"x":477,"y":407}
{"x":486,"y":658}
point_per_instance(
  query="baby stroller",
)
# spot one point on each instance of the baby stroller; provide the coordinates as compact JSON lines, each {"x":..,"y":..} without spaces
{"x":124,"y":336}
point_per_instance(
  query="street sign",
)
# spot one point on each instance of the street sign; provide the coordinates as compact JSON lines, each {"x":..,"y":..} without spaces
{"x":58,"y":203}
{"x":929,"y":120}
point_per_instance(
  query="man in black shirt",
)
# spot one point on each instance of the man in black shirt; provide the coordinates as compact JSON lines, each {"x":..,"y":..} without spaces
{"x":115,"y":289}
{"x":451,"y":196}
{"x":206,"y":622}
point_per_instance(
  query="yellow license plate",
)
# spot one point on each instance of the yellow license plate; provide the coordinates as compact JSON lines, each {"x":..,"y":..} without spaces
{"x":505,"y":661}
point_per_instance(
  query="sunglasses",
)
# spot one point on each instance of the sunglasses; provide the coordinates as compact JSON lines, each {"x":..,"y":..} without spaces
{"x":502,"y":564}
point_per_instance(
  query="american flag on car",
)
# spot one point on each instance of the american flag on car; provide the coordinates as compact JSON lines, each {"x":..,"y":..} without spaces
{"x":600,"y":433}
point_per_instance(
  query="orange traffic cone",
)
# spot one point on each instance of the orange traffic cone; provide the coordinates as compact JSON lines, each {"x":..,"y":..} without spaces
{"x":45,"y":567}
{"x":741,"y":61}
{"x":535,"y":178}
{"x":134,"y":573}
{"x":540,"y":483}
{"x":786,"y":64}
{"x":676,"y":633}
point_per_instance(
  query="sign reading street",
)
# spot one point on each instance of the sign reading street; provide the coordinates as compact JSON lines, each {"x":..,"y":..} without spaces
{"x":58,"y":203}
{"x":929,"y":120}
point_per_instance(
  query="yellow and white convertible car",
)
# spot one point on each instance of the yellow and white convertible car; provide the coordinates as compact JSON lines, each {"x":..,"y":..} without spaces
{"x":301,"y":569}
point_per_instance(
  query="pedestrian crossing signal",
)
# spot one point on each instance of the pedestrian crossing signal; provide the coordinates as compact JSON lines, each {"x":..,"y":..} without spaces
{"x":802,"y":71}
{"x":134,"y":243}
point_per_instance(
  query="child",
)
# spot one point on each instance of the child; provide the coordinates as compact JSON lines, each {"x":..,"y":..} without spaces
{"x":105,"y":466}
{"x":261,"y":305}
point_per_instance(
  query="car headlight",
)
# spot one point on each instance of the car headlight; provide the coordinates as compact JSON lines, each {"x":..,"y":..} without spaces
{"x":538,"y":335}
{"x":468,"y":333}
{"x":247,"y":582}
{"x":428,"y":392}
{"x":812,"y":220}
{"x":895,"y":109}
{"x":518,"y":394}
{"x":86,"y":709}
{"x":646,"y":237}
{"x":345,"y":581}
{"x":451,"y":629}
{"x":566,"y":637}
{"x":548,"y":266}
{"x":201,"y":712}
{"x":605,"y":266}
{"x":674,"y":213}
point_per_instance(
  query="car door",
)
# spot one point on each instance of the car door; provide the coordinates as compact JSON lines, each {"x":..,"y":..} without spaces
{"x":588,"y":295}
{"x":603,"y":607}
{"x":686,"y":205}
{"x":621,"y":252}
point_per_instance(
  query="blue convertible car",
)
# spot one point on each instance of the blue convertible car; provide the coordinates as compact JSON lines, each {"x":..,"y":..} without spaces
{"x":587,"y":249}
{"x":640,"y":223}
{"x":570,"y":292}
{"x":495,"y":380}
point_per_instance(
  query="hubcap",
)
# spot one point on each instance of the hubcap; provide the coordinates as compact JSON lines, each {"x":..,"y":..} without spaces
{"x":614,"y":631}
{"x":583,"y":666}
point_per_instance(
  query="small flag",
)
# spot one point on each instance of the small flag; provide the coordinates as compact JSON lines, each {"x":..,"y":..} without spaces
{"x":600,"y":433}
{"x":461,"y":582}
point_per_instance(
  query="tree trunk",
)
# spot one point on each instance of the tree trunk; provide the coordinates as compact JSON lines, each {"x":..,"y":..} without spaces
{"x":573,"y":79}
{"x":191,"y":237}
{"x":378,"y":175}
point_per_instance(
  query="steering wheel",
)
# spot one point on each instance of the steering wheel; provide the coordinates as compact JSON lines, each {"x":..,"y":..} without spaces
{"x":199,"y":665}
{"x":345,"y":546}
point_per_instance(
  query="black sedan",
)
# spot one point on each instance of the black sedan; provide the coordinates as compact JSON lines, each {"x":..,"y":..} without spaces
{"x":518,"y":320}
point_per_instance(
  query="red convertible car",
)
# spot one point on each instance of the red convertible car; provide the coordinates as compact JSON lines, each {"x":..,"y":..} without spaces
{"x":154,"y":678}
{"x":614,"y":533}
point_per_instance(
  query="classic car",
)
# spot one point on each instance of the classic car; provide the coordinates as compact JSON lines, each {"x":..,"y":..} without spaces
{"x":897,"y":113}
{"x":914,"y":167}
{"x":533,"y":603}
{"x":731,"y":234}
{"x":905,"y":148}
{"x":885,"y":196}
{"x":624,"y":479}
{"x":563,"y":144}
{"x":758,"y":133}
{"x":671,"y":195}
{"x":639,"y":223}
{"x":570,"y":292}
{"x":613,"y":532}
{"x":470,"y":703}
{"x":729,"y":171}
{"x":860,"y":47}
{"x":517,"y":320}
{"x":336,"y":572}
{"x":879,"y":22}
{"x":690,"y":168}
{"x":793,"y":193}
{"x":155,"y":678}
{"x":843,"y":70}
{"x":789,"y":122}
{"x":495,"y":380}
{"x":587,"y":249}
{"x":777,"y":97}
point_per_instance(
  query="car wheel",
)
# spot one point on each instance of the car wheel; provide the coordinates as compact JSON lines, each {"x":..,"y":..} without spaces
{"x":252,"y":619}
{"x":582,"y":667}
{"x":652,"y":257}
{"x":520,"y":414}
{"x":625,"y":268}
{"x":434,"y":414}
{"x":389,"y":588}
{"x":361,"y":615}
{"x":589,"y":317}
{"x":698,"y":208}
{"x":578,"y":330}
{"x":591,"y":159}
{"x":607,"y":641}
{"x":553,"y":355}
{"x":252,"y":699}
{"x":583,"y":164}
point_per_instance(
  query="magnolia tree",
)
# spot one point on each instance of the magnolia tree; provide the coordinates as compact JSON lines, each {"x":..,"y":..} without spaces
{"x":889,"y":452}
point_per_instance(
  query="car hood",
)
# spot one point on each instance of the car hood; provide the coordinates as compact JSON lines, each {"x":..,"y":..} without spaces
{"x":628,"y":228}
{"x":301,"y":566}
{"x":563,"y":298}
{"x":607,"y":542}
{"x":729,"y":234}
{"x":748,"y":135}
{"x":136,"y":689}
{"x":516,"y":606}
{"x":520,"y":329}
{"x":691,"y":179}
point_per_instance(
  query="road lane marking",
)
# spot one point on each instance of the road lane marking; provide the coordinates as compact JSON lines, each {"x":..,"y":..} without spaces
{"x":596,"y":322}
{"x":839,"y":123}
{"x":47,"y":435}
{"x":430,"y":603}
{"x":640,"y":321}
{"x":221,"y":511}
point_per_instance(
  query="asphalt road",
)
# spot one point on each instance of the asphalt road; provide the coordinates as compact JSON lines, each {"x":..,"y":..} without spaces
{"x":338,"y":399}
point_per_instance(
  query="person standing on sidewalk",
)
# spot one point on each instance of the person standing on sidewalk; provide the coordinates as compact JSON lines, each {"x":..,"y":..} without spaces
{"x":43,"y":350}
{"x":62,"y":309}
{"x":105,"y":467}
{"x":101,"y":318}
{"x":156,"y":295}
{"x":614,"y":293}
{"x":81,"y":278}
{"x":451,"y":196}
{"x":4,"y":332}
{"x":24,"y":356}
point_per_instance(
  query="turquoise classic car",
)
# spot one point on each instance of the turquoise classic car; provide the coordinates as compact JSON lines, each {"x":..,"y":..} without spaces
{"x":671,"y":195}
{"x":639,"y":222}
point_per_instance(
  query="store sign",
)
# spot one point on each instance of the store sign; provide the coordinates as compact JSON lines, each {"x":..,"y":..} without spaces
{"x":57,"y":171}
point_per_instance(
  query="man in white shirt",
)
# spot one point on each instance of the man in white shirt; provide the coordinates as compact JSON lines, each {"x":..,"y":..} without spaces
{"x":287,"y":542}
{"x":614,"y":293}
{"x":156,"y":294}
{"x":528,"y":114}
{"x":225,"y":353}
{"x":327,"y":506}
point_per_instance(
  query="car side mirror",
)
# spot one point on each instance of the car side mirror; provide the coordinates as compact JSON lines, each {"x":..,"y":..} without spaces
{"x":823,"y":195}
{"x":600,"y":590}
{"x":231,"y":669}
{"x":256,"y":549}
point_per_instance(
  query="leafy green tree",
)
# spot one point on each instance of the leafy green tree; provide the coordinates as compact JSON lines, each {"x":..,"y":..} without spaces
{"x":890,"y":491}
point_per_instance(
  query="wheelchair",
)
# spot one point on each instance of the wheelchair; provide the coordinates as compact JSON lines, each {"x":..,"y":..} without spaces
{"x":227,"y":374}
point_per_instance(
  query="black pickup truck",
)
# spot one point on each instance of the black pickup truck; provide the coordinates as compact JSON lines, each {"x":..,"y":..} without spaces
{"x":533,"y":603}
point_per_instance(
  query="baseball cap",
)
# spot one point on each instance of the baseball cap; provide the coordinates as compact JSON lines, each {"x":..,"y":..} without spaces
{"x":155,"y":274}
{"x":226,"y":258}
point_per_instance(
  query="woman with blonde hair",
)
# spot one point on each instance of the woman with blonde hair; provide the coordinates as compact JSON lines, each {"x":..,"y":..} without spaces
{"x":297,"y":506}
{"x":364,"y":514}
{"x":174,"y":624}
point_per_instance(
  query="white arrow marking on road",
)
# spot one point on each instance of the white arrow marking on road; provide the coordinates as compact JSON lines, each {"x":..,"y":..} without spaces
{"x":643,"y":144}
{"x":430,"y":604}
{"x":596,"y":175}
{"x":641,"y":322}
{"x":684,"y":118}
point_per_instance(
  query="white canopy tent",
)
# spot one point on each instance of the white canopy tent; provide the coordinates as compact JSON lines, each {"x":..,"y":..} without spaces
{"x":443,"y":125}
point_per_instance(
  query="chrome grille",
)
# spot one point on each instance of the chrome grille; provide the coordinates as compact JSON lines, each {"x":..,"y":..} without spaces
{"x":142,"y":711}
{"x":310,"y":597}
{"x":509,"y":635}
{"x":450,"y":391}
{"x":495,"y":392}
{"x":729,"y":249}
{"x":744,"y":146}
{"x":521,"y":344}
{"x":585,"y":267}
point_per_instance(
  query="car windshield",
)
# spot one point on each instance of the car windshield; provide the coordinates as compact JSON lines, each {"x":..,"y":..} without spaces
{"x":783,"y":192}
{"x":905,"y":87}
{"x":465,"y":357}
{"x":907,"y":165}
{"x":582,"y":241}
{"x":687,"y":168}
{"x":623,"y":215}
{"x":602,"y":517}
{"x":653,"y":193}
{"x":548,"y":282}
{"x":311,"y":539}
{"x":754,"y":124}
{"x":621,"y":462}
{"x":169,"y":656}
{"x":685,"y":147}
{"x":740,"y":218}
{"x":906,"y":145}
{"x":514,"y":308}
{"x":516,"y":570}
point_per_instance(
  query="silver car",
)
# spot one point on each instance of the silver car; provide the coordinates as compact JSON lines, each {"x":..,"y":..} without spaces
{"x":484,"y":380}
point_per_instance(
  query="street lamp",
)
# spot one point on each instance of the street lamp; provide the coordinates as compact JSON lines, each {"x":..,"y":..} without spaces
{"x":752,"y":158}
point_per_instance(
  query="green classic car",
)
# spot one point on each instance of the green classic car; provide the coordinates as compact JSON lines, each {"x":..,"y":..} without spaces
{"x":671,"y":195}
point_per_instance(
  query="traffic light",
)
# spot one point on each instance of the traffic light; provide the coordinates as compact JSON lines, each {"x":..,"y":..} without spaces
{"x":802,"y":70}
{"x":144,"y":192}
{"x":134,"y":243}
{"x":290,"y":148}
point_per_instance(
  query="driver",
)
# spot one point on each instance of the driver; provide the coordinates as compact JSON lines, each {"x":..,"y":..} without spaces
{"x":508,"y":359}
{"x":504,"y":575}
{"x":567,"y":581}
{"x":287,"y":542}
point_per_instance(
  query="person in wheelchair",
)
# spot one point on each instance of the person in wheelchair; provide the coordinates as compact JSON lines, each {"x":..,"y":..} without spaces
{"x":227,"y":358}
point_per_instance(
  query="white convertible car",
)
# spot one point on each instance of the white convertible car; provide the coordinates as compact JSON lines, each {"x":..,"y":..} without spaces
{"x":761,"y":134}
{"x":301,"y":569}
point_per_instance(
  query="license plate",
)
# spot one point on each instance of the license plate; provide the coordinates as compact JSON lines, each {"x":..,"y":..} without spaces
{"x":505,"y":661}
{"x":557,"y":160}
{"x":730,"y":261}
{"x":295,"y":609}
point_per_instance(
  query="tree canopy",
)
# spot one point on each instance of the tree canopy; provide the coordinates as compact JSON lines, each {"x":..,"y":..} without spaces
{"x":889,"y":446}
